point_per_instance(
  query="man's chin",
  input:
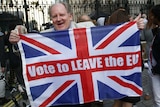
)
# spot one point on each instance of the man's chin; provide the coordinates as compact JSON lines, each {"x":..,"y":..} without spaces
{"x":61,"y":28}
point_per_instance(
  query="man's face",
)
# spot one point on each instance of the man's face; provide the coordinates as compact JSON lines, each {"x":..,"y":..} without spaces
{"x":61,"y":19}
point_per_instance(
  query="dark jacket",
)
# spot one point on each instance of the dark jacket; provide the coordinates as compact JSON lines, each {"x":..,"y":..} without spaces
{"x":14,"y":60}
{"x":156,"y":50}
{"x":2,"y":51}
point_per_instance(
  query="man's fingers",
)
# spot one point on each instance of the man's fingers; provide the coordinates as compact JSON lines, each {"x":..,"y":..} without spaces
{"x":137,"y":18}
{"x":140,"y":22}
{"x":21,"y":29}
{"x":13,"y":38}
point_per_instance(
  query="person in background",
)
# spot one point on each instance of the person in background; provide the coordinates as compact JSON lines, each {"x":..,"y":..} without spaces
{"x":146,"y":41}
{"x":118,"y":16}
{"x":106,"y":20}
{"x":100,"y":21}
{"x":3,"y":99}
{"x":154,"y":59}
{"x":84,"y":18}
{"x":122,"y":16}
{"x":146,"y":35}
{"x":2,"y":60}
{"x":15,"y":65}
{"x":85,"y":21}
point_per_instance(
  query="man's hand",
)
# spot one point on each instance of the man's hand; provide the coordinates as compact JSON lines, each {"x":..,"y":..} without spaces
{"x":140,"y":22}
{"x":14,"y":35}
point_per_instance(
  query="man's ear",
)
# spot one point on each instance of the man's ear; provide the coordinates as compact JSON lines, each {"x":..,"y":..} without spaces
{"x":71,"y":16}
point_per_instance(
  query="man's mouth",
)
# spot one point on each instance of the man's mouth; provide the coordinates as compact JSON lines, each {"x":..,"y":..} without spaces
{"x":60,"y":24}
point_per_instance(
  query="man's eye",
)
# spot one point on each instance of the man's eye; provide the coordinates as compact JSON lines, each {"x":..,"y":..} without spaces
{"x":62,"y":15}
{"x":53,"y":16}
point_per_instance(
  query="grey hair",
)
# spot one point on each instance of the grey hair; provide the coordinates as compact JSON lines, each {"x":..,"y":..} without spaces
{"x":65,"y":4}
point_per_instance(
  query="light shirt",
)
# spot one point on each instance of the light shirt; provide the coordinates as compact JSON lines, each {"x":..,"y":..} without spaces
{"x":86,"y":24}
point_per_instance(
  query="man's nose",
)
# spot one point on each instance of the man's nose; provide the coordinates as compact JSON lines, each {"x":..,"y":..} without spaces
{"x":58,"y":18}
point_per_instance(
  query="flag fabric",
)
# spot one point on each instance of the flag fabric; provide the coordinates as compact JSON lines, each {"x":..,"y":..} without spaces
{"x":82,"y":65}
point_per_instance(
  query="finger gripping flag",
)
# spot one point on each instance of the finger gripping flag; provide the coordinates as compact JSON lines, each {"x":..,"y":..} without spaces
{"x":82,"y":65}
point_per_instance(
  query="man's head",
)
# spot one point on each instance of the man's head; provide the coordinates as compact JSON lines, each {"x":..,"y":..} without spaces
{"x":61,"y":16}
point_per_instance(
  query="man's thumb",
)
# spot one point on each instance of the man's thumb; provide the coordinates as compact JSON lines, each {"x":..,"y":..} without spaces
{"x":137,"y":18}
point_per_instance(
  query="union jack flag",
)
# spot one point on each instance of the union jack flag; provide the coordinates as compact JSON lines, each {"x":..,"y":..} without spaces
{"x":82,"y":65}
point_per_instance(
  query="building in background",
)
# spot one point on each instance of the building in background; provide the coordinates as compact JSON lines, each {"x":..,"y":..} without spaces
{"x":34,"y":13}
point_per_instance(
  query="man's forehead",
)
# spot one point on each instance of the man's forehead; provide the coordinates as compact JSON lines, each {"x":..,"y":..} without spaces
{"x":59,"y":7}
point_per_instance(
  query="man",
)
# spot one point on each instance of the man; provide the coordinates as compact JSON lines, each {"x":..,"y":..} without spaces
{"x":61,"y":17}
